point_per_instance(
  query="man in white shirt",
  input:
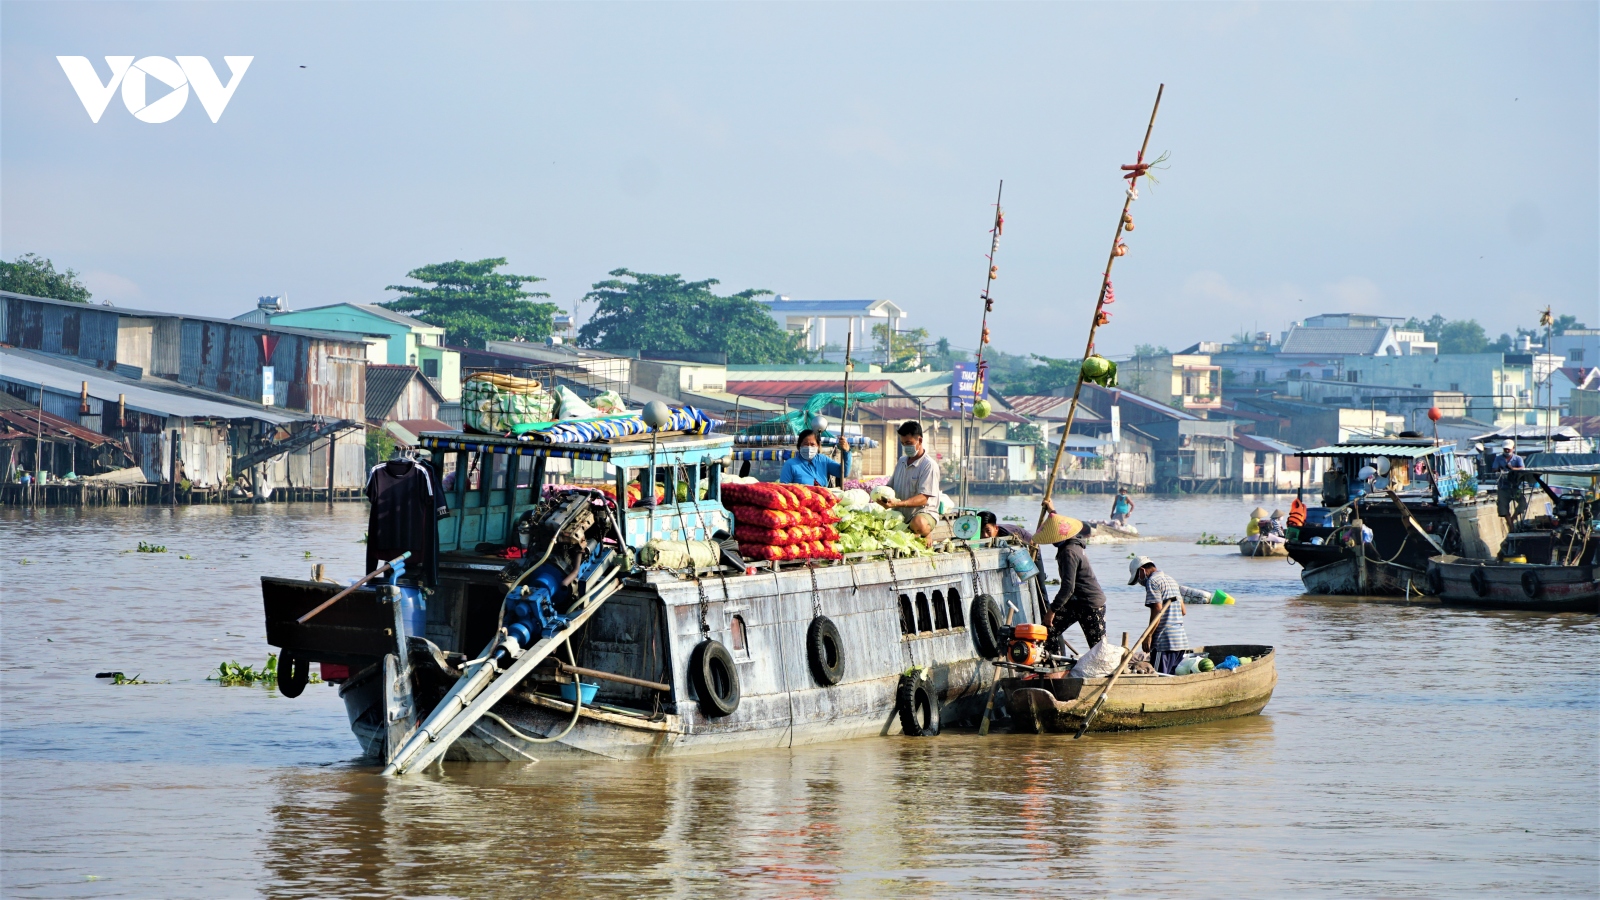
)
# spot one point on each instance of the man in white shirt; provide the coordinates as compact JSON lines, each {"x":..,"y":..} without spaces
{"x":915,"y":482}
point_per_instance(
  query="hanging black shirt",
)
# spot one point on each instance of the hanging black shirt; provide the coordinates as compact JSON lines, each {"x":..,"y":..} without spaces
{"x":405,"y":511}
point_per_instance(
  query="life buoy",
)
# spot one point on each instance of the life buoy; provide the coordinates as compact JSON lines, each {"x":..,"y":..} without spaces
{"x":986,"y":625}
{"x":1531,"y":585}
{"x":918,"y":707}
{"x":1435,"y":581}
{"x":825,"y":651}
{"x":293,"y":674}
{"x":715,"y":678}
{"x":1480,"y":582}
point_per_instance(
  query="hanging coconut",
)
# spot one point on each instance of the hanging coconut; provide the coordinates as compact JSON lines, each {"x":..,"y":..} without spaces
{"x":994,"y":272}
{"x":1122,"y":250}
{"x":981,"y":409}
{"x":1096,"y":366}
{"x":1127,"y":222}
{"x":986,"y":335}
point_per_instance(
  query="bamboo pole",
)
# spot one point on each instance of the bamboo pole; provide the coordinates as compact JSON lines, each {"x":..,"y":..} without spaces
{"x":844,"y":414}
{"x":983,"y":336}
{"x":1094,"y":322}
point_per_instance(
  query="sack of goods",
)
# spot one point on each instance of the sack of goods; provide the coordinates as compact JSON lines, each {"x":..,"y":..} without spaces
{"x":492,"y":403}
{"x":782,"y":522}
{"x":1101,"y":660}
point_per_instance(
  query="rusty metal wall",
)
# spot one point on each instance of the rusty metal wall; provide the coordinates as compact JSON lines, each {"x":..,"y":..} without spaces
{"x":87,"y":332}
{"x":335,"y":380}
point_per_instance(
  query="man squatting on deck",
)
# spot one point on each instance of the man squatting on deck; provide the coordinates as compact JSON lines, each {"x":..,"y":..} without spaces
{"x":1169,"y":641}
{"x":1080,"y":598}
{"x":915,"y":482}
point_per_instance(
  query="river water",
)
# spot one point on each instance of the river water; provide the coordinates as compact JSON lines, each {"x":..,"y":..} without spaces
{"x":1410,"y":750}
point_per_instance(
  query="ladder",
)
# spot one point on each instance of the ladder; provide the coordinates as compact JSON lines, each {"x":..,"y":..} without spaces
{"x":482,"y":686}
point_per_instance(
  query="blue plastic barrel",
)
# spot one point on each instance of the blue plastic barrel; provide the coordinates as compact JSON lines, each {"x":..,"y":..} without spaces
{"x":1022,"y":561}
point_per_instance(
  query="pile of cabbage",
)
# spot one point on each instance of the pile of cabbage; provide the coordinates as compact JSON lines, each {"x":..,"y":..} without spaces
{"x":865,"y":525}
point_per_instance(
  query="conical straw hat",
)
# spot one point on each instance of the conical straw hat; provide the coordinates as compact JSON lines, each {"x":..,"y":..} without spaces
{"x":1057,"y":529}
{"x":1259,"y":512}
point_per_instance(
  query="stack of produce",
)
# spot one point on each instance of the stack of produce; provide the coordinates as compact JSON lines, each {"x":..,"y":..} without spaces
{"x":865,"y":525}
{"x":782,"y":522}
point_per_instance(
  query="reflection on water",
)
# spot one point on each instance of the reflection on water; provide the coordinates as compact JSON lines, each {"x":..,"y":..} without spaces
{"x":1410,"y":749}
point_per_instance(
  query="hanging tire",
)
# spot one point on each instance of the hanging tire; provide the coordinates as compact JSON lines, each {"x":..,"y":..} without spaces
{"x":1480,"y":582}
{"x":986,"y":625}
{"x":825,"y":651}
{"x":1531,"y":585}
{"x":918,"y":707}
{"x":1435,"y":581}
{"x":293,"y":674}
{"x":715,"y":678}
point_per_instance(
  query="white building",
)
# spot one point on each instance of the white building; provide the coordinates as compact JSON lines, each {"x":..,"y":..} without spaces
{"x":852,"y":317}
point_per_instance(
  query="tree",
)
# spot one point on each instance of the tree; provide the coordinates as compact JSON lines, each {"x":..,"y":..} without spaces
{"x":1150,"y":350}
{"x":943,"y":357}
{"x":663,"y":313}
{"x":1563,"y":324}
{"x":902,"y":349}
{"x":473,"y":303}
{"x":1462,"y":336}
{"x":1430,"y":329}
{"x":36,"y":276}
{"x":1045,"y":375}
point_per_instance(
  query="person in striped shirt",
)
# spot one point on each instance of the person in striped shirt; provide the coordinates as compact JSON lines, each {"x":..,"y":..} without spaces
{"x":1166,"y":645}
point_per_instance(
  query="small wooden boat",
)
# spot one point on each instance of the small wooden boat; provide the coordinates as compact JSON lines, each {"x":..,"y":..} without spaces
{"x":1489,"y":584}
{"x":1058,"y":704}
{"x":1254,"y":546}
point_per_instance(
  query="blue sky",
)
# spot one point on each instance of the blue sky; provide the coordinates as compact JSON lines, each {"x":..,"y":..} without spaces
{"x":1394,"y":158}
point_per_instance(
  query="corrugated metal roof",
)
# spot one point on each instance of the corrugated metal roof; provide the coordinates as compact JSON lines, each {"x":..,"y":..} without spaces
{"x":1049,"y":406}
{"x":340,"y":336}
{"x":875,"y":308}
{"x":779,"y":390}
{"x":31,"y":422}
{"x":903,"y":411}
{"x":33,"y":369}
{"x":385,"y":384}
{"x":1259,"y":444}
{"x":1399,"y":450}
{"x":1334,"y":341}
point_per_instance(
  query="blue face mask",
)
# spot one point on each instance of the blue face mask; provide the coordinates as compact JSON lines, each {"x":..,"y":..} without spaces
{"x":908,"y":450}
{"x":808,"y":452}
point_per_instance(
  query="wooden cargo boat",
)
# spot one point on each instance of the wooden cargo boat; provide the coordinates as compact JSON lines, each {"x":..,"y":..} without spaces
{"x":1380,"y":543}
{"x":802,"y":654}
{"x":1490,"y":584}
{"x":1547,"y":563}
{"x":1057,"y":704}
{"x":1254,"y":546}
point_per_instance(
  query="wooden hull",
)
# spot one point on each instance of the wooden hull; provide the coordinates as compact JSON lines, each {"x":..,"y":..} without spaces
{"x":1343,"y":577}
{"x":1058,"y":705}
{"x":1255,"y":547}
{"x":1488,"y":584}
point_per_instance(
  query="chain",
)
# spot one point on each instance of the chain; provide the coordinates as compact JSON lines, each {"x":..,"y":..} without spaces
{"x":893,"y":578}
{"x":705,"y":604}
{"x":816,"y":598}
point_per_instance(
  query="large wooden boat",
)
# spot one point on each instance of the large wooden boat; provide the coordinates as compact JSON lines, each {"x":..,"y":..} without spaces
{"x":1379,"y":543}
{"x":685,"y":661}
{"x":1547,"y":563}
{"x":1058,"y":703}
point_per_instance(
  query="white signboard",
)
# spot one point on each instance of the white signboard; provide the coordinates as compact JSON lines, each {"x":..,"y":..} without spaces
{"x":1116,"y":424}
{"x":266,"y":385}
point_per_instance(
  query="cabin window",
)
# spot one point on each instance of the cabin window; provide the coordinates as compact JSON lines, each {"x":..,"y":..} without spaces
{"x":738,"y":639}
{"x":430,"y":368}
{"x":924,"y":617}
{"x":957,"y":617}
{"x":941,"y":613}
{"x":908,"y":618}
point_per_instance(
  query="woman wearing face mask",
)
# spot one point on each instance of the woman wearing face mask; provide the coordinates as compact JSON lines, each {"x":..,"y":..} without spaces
{"x":809,"y":466}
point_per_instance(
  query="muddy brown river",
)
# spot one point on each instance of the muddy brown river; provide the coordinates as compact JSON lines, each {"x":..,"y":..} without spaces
{"x":1410,"y":751}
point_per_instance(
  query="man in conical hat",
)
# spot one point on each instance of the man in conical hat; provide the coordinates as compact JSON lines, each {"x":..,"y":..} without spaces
{"x":1080,"y":599}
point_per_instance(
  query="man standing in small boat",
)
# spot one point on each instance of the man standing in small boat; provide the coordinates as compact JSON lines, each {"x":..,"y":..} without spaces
{"x":1121,"y":508}
{"x":915,"y":482}
{"x":1508,"y":489}
{"x":1080,"y":598}
{"x":1169,"y":641}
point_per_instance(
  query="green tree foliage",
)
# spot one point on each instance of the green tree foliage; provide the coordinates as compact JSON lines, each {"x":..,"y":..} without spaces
{"x":1046,"y":374}
{"x":473,"y":303}
{"x":1150,"y":350}
{"x":941,"y":357}
{"x":1564,"y":324}
{"x":663,"y":313}
{"x":902,"y":349}
{"x":1453,"y":336}
{"x":380,"y":446}
{"x":36,"y":276}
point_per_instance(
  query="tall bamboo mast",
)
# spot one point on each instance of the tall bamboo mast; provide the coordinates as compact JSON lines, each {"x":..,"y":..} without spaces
{"x":983,"y":337}
{"x":1140,"y":167}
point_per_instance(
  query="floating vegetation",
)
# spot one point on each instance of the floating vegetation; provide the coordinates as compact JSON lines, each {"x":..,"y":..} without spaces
{"x":236,"y":674}
{"x":1215,"y":540}
{"x":307,"y":554}
{"x":152,"y":548}
{"x":363,"y":538}
{"x":25,"y":562}
{"x":1012,"y":519}
{"x":185,"y":556}
{"x":120,"y":678}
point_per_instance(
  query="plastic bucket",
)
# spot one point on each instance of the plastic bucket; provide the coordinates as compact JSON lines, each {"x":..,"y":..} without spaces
{"x":413,"y":609}
{"x":569,"y":691}
{"x":1022,"y":561}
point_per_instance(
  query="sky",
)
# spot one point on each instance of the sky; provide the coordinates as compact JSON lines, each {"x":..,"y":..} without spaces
{"x":1392,"y":158}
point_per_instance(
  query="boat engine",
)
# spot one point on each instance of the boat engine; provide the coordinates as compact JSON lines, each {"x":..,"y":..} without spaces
{"x":1026,"y":647}
{"x":566,"y":551}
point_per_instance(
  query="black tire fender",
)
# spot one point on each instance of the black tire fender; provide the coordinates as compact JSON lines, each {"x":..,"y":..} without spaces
{"x":1435,"y":581}
{"x":825,"y":651}
{"x":918,"y":707}
{"x":715,"y":678}
{"x":293,"y":674}
{"x":1531,"y":585}
{"x":985,"y":621}
{"x":1480,"y":582}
